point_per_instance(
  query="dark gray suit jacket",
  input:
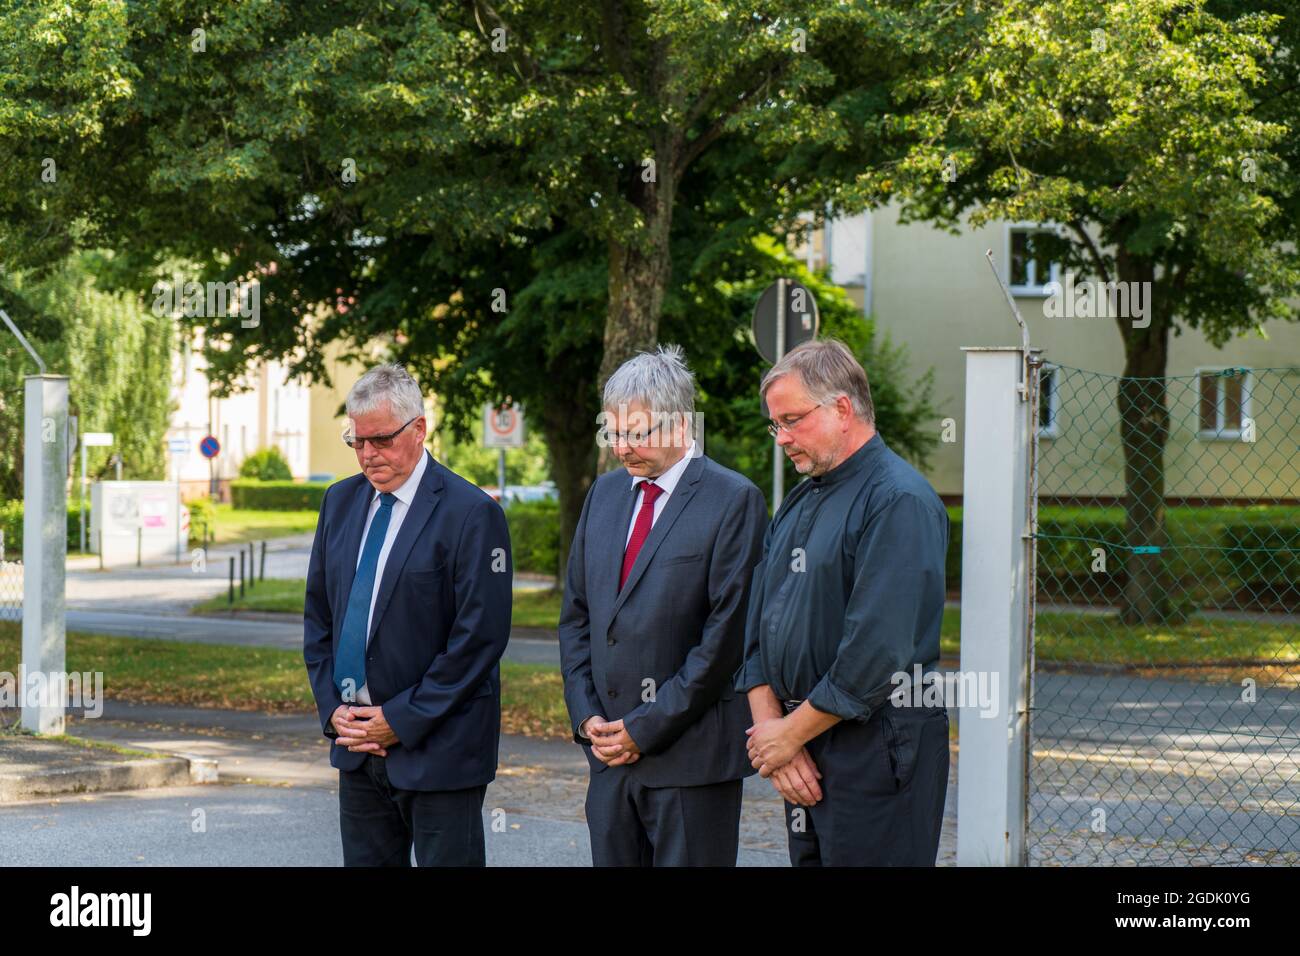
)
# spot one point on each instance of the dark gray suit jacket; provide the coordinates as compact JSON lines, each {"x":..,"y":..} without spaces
{"x":677,"y":628}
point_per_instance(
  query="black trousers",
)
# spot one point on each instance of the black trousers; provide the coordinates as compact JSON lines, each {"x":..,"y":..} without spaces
{"x":379,"y":822}
{"x":883,"y":788}
{"x":635,"y":825}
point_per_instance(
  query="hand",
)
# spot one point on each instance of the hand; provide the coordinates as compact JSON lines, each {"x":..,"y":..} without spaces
{"x":797,"y":780}
{"x":363,"y":729}
{"x":611,"y":743}
{"x":771,"y":744}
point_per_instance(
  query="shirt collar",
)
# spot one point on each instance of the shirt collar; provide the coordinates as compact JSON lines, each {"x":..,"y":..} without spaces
{"x":406,"y":493}
{"x":668,"y":480}
{"x":864,"y":459}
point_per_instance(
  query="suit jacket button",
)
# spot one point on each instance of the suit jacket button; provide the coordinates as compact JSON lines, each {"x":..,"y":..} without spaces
{"x":611,"y":642}
{"x":613,"y":693}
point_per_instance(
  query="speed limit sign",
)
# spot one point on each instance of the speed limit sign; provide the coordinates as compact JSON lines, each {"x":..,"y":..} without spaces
{"x":503,"y":426}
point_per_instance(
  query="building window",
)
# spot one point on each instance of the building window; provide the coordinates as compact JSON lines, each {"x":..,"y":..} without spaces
{"x":1048,"y":403}
{"x":1029,"y":269}
{"x":1224,"y":404}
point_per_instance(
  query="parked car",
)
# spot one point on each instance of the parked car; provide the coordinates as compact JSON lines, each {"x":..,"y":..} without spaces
{"x":546,"y":491}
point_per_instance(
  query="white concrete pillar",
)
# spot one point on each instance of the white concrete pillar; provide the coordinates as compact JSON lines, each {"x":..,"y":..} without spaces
{"x":994,"y":596}
{"x":45,"y":551}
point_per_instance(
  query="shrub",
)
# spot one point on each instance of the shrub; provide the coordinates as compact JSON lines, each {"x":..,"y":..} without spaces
{"x":1264,"y":554}
{"x":535,"y":535}
{"x":277,"y":495}
{"x":266,"y":464}
{"x":1065,"y":545}
{"x":203,"y":514}
{"x":11,"y":523}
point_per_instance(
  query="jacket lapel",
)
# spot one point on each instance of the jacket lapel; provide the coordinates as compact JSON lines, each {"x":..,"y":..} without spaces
{"x":676,"y":502}
{"x":422,"y":505}
{"x":617,"y":517}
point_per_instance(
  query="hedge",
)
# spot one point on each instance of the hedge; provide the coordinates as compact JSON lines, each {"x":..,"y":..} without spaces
{"x":1264,"y":554}
{"x":254,"y":495}
{"x":11,"y":523}
{"x":1065,"y":546}
{"x":535,"y":535}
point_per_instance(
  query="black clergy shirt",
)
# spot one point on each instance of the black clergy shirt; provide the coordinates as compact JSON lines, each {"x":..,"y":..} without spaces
{"x":850,"y":588}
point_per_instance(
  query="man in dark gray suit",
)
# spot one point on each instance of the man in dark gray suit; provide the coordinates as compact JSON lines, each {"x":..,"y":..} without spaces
{"x":652,"y":630}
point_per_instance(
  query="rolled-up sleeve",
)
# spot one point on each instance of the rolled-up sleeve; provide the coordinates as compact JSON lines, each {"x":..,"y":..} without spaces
{"x":897,"y":595}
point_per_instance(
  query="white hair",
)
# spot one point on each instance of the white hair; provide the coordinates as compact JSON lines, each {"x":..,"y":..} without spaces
{"x":386,"y":384}
{"x":659,"y":380}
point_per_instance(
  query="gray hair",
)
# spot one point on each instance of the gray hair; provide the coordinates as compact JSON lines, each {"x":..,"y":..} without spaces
{"x":827,"y":370}
{"x":658,"y":379}
{"x":386,"y":384}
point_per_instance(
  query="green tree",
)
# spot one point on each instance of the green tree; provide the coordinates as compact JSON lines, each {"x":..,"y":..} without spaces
{"x":505,"y":191}
{"x":1161,"y":135}
{"x":117,"y":358}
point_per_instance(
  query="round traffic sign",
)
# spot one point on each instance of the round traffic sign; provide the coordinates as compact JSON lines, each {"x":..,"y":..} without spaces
{"x":210,"y":447}
{"x":801,"y":318}
{"x":504,"y":420}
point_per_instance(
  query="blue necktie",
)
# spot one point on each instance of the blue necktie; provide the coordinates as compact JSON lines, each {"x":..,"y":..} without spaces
{"x":351,"y":660}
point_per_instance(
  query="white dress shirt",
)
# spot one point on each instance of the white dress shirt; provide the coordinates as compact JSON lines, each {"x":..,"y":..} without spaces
{"x":667,"y":482}
{"x":405,"y":495}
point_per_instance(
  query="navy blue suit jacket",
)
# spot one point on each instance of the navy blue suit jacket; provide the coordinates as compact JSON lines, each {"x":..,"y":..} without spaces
{"x":440,"y":625}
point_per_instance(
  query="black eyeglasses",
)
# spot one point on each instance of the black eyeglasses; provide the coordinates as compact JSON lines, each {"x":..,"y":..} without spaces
{"x":607,"y":437}
{"x":376,"y":441}
{"x":774,"y":428}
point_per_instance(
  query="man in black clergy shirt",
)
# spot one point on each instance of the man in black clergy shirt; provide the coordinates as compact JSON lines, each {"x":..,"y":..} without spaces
{"x":849,"y":593}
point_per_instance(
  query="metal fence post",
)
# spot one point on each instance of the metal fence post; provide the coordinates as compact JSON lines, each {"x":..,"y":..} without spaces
{"x":994,"y":608}
{"x":45,"y":551}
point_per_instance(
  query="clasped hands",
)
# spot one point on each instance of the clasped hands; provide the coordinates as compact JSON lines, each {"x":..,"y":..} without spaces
{"x":778,"y":753}
{"x":610,"y":741}
{"x":363,"y":729}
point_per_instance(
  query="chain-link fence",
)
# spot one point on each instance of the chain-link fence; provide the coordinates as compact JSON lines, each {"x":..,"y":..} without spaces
{"x":11,"y":583}
{"x":1165,"y":699}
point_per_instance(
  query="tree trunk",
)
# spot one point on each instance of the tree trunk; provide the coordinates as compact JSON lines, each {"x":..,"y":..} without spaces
{"x":639,"y":273}
{"x":1144,"y":431}
{"x":570,"y":437}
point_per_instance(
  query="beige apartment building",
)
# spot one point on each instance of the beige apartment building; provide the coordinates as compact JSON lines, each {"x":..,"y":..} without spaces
{"x":1235,"y":437}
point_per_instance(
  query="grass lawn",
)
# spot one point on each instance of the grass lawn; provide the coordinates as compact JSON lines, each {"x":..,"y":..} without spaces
{"x":538,"y":607}
{"x":246,"y":678}
{"x":274,"y":594}
{"x":233,"y":525}
{"x":1086,"y":638}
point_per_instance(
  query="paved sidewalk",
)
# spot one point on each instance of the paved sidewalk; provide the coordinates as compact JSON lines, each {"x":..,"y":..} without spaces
{"x":540,"y":785}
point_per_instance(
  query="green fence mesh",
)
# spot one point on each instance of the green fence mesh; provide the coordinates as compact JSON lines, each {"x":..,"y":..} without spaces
{"x":1165,"y":692}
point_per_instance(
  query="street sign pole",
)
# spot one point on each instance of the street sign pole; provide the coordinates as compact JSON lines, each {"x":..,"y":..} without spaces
{"x":81,"y":497}
{"x":773,"y":339}
{"x":501,"y":474}
{"x":778,"y":465}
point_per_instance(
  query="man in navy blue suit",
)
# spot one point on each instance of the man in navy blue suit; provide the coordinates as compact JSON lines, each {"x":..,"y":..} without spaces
{"x":407,"y":616}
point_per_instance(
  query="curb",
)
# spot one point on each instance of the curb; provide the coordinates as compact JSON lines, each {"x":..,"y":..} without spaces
{"x":180,"y":770}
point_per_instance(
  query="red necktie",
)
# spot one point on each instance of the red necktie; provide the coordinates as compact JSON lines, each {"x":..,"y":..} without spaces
{"x":641,"y":530}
